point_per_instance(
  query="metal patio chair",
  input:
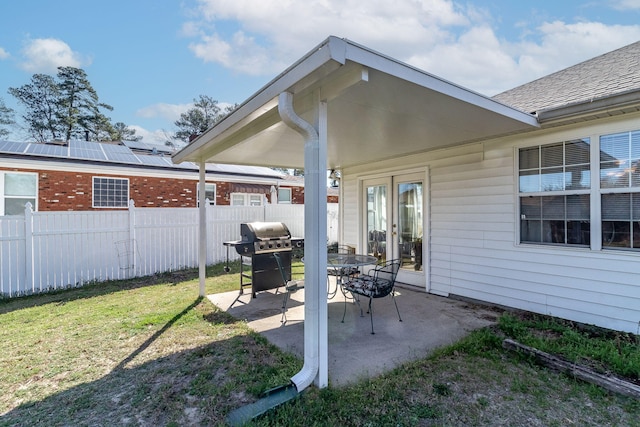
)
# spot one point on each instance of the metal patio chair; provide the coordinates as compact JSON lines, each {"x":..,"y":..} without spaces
{"x":377,"y":283}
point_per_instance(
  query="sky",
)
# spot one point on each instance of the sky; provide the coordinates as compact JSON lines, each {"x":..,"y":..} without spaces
{"x":149,"y":59}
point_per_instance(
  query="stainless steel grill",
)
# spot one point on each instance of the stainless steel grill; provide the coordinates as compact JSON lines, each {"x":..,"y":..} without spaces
{"x":259,"y":240}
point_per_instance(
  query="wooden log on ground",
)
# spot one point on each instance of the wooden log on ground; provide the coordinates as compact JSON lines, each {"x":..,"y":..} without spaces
{"x":610,"y":383}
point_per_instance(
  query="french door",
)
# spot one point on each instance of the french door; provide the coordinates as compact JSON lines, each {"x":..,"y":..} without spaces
{"x":394,"y":223}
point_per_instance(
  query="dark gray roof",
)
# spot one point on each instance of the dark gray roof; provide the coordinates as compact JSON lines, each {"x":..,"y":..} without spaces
{"x":615,"y":72}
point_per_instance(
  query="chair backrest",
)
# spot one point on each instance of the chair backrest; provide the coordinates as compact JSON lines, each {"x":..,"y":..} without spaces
{"x":388,"y":271}
{"x":283,"y":271}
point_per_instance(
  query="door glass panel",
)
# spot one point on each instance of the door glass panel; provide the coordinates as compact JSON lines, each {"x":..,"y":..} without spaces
{"x":410,"y":225}
{"x":377,"y":221}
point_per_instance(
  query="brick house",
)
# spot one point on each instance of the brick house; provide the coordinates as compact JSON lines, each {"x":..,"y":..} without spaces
{"x":83,"y":175}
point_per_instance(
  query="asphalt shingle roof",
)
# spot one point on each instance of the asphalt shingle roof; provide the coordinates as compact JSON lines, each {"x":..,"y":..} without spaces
{"x":608,"y":74}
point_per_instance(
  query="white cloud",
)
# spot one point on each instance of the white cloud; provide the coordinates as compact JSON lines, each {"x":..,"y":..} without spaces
{"x":477,"y":59}
{"x":169,"y":112}
{"x":46,"y":55}
{"x":625,"y":4}
{"x":272,"y":34}
{"x":455,"y":42}
{"x":3,"y":54}
{"x":156,"y":137}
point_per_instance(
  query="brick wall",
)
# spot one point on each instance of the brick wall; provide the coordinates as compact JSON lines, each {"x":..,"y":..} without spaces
{"x":68,"y":190}
{"x":60,"y":190}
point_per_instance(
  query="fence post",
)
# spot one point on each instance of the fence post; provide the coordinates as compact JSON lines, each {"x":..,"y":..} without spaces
{"x":132,"y":239}
{"x":208,"y":207}
{"x":28,"y":247}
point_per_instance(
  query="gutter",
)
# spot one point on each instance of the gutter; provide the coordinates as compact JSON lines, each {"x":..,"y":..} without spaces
{"x":585,"y":110}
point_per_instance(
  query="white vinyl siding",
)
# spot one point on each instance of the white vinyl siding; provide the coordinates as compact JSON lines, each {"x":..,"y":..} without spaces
{"x":474,"y":224}
{"x":473,"y":252}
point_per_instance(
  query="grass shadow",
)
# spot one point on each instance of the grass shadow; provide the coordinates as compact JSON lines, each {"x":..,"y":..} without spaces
{"x":157,"y":334}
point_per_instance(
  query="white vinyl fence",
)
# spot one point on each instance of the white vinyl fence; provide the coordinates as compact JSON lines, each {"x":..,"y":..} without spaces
{"x":43,"y":251}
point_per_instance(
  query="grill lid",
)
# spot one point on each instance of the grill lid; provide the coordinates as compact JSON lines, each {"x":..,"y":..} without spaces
{"x":256,"y":231}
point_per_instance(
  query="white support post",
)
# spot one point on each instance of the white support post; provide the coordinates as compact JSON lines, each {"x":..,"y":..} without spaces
{"x":319,"y":209}
{"x":202,"y":234}
{"x":315,"y":368}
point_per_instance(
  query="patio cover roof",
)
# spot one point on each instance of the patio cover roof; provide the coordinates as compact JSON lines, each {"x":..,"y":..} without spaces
{"x":377,"y":108}
{"x":357,"y":106}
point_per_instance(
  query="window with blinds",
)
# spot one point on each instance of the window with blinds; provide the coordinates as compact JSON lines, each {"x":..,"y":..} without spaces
{"x":554,"y":185}
{"x":620,"y":189}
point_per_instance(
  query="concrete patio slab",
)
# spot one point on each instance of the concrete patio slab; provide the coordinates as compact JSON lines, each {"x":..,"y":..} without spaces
{"x":429,"y":322}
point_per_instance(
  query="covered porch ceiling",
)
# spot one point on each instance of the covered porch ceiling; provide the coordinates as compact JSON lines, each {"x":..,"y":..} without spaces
{"x":377,"y":109}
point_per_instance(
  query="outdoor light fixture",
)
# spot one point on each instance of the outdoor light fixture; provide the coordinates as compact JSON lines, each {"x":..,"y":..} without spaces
{"x":334,"y":179}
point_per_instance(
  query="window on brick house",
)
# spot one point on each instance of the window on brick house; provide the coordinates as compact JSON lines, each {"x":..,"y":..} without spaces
{"x":284,"y":195}
{"x":247,"y":199}
{"x":110,"y":192}
{"x":209,"y":193}
{"x":16,"y":189}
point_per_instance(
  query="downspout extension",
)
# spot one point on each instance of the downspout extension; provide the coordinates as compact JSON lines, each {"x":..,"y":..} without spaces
{"x":309,"y":370}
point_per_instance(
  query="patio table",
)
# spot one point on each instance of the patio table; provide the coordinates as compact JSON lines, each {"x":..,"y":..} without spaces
{"x":341,"y":263}
{"x":344,"y":265}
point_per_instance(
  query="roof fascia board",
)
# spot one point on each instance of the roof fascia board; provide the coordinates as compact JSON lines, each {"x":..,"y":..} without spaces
{"x":388,"y":65}
{"x":331,"y":50}
{"x":573,"y":111}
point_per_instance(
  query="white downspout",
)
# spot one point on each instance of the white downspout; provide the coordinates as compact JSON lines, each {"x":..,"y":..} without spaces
{"x":315,"y":228}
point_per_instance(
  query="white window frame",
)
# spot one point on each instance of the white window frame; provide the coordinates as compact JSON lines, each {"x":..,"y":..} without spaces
{"x":563,"y":192}
{"x":3,"y":196}
{"x":286,"y":202}
{"x":596,"y":194}
{"x":109,"y":178}
{"x":207,"y":188}
{"x":628,"y":189}
{"x":247,"y":199}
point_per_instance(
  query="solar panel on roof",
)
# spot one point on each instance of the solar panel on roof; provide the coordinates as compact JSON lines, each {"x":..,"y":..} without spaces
{"x":86,"y":150}
{"x":154,"y":160}
{"x":136,"y":144}
{"x":13,"y":147}
{"x":48,"y":150}
{"x":119,"y":153}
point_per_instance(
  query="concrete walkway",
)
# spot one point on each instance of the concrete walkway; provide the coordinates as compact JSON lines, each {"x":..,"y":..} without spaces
{"x":428,"y":322}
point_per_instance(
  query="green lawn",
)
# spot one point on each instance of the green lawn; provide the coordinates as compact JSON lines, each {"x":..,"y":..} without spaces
{"x":150,"y":352}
